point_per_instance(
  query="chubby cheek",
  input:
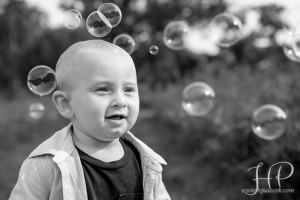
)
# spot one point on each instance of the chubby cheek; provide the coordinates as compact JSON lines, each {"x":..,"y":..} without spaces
{"x":94,"y":112}
{"x":98,"y":113}
{"x":134,"y":110}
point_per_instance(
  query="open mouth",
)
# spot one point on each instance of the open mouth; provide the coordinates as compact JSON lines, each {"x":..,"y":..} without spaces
{"x":116,"y":117}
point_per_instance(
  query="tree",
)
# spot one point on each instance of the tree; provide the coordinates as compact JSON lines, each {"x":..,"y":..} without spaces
{"x":20,"y":25}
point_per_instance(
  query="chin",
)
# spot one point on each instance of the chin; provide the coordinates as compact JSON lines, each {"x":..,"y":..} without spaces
{"x":118,"y":133}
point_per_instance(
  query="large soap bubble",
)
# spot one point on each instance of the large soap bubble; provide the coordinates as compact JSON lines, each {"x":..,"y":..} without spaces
{"x":226,"y":29}
{"x":175,"y":35}
{"x":296,"y":39}
{"x":112,"y":12}
{"x":126,"y":42}
{"x":41,"y":80}
{"x":98,"y":25}
{"x":198,"y":99}
{"x":72,"y":19}
{"x":269,"y":122}
{"x":288,"y":48}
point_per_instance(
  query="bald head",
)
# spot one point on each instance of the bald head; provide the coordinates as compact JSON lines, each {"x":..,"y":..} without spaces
{"x":70,"y":58}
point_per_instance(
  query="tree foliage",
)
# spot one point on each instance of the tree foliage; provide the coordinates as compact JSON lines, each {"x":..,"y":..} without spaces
{"x":26,"y":41}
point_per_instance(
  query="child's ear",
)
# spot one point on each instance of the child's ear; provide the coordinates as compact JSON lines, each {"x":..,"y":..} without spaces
{"x":61,"y":101}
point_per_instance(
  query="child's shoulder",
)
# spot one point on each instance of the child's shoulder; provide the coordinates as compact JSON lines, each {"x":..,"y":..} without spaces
{"x":52,"y":144}
{"x":144,"y":150}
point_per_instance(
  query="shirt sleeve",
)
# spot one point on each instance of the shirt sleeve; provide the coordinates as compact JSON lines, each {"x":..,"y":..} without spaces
{"x":29,"y":184}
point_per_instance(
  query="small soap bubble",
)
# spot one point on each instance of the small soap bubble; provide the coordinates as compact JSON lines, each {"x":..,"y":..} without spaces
{"x":72,"y":19}
{"x":36,"y":111}
{"x":269,"y":122}
{"x":154,"y":49}
{"x":198,"y":99}
{"x":98,"y":25}
{"x":226,"y":29}
{"x":112,"y":12}
{"x":126,"y":42}
{"x":175,"y":35}
{"x":41,"y":80}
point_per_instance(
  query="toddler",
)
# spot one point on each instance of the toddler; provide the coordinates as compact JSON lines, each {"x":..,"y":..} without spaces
{"x":95,"y":156}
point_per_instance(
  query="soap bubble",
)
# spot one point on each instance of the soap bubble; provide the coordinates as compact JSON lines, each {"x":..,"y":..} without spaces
{"x":154,"y":49}
{"x":98,"y":25}
{"x":72,"y":19}
{"x":112,"y":13}
{"x":175,"y":35}
{"x":41,"y":80}
{"x":269,"y":122}
{"x":296,"y":39}
{"x":36,"y":111}
{"x":291,"y":24}
{"x":198,"y":99}
{"x":288,"y":48}
{"x":226,"y":29}
{"x":126,"y":42}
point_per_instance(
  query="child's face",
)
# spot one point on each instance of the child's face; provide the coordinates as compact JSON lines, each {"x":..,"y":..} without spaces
{"x":103,"y":95}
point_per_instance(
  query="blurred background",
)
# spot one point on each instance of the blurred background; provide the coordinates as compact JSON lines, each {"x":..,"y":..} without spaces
{"x":208,"y":156}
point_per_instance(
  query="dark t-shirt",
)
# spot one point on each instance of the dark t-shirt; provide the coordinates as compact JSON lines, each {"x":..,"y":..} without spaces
{"x":121,"y":179}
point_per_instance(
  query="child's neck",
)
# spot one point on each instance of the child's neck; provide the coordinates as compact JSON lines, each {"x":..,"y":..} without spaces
{"x":106,"y":151}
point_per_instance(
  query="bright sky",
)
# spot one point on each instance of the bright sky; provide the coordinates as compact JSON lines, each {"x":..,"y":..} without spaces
{"x":246,"y":3}
{"x":51,"y":8}
{"x":56,"y":15}
{"x":290,"y":6}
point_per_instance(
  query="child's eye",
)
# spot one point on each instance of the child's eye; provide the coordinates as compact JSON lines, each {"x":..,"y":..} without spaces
{"x":129,"y":90}
{"x":102,"y":89}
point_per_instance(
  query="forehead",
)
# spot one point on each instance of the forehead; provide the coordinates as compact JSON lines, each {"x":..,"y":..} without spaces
{"x":92,"y":53}
{"x":105,"y":61}
{"x":96,"y":65}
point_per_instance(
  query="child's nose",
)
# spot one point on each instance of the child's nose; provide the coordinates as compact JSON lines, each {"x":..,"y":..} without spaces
{"x":119,"y":100}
